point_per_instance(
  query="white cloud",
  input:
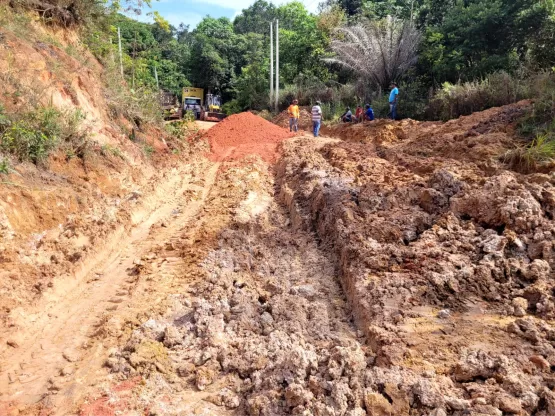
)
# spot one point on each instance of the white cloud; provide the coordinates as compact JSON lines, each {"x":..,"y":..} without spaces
{"x":187,"y":18}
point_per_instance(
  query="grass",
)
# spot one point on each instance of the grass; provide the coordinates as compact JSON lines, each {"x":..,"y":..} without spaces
{"x":497,"y":89}
{"x":148,"y":149}
{"x":5,"y":166}
{"x":527,"y":159}
{"x":107,"y":150}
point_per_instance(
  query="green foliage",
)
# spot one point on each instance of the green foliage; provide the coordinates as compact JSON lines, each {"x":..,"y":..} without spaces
{"x":498,"y":89}
{"x":5,"y":166}
{"x":527,"y":159}
{"x":478,"y":37}
{"x":148,"y":150}
{"x":232,"y":107}
{"x":139,"y":105}
{"x":108,"y":150}
{"x":34,"y":135}
{"x":541,"y":119}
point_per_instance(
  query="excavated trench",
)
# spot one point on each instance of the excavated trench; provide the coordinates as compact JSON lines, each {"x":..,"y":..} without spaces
{"x":264,"y":329}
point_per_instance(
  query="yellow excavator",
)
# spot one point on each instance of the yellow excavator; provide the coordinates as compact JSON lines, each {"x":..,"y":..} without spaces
{"x":212,"y":109}
{"x":209,"y":110}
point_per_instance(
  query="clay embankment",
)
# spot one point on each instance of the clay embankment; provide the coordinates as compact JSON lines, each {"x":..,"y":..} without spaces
{"x":445,"y":256}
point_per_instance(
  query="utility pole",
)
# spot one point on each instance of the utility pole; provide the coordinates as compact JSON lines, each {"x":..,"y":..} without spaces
{"x":134,"y":57}
{"x":271,"y":62}
{"x":156,"y":77}
{"x":120,"y":54}
{"x":277,"y":65}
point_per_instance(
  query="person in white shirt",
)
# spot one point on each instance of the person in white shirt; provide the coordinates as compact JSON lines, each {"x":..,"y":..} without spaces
{"x":316,"y":118}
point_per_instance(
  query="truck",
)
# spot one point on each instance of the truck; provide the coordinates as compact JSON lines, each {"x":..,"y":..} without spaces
{"x":209,"y":109}
{"x":193,"y":100}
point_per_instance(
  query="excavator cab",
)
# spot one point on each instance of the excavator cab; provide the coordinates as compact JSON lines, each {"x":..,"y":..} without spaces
{"x":213,"y":108}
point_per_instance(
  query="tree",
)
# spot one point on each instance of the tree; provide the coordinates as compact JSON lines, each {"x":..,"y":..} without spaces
{"x":214,"y":55}
{"x":377,"y":51}
{"x":252,"y":85}
{"x":477,"y":37}
{"x":256,"y":18}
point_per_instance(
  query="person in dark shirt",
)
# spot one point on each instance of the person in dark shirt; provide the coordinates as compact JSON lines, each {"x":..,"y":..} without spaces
{"x":369,"y":113}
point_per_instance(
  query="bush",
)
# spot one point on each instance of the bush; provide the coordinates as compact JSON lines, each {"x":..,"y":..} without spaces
{"x":455,"y":100}
{"x":4,"y":166}
{"x":139,"y":105}
{"x":32,"y":136}
{"x":541,"y":120}
{"x":231,"y":107}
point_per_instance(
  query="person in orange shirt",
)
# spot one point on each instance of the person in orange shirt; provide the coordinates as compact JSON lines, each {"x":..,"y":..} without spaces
{"x":294,"y":115}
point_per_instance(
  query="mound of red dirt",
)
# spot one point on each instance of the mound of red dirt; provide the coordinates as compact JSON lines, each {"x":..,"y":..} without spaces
{"x":305,"y":120}
{"x":245,"y":134}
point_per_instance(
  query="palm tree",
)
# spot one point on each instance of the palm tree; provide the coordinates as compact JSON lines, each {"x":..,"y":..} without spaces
{"x":378,"y":51}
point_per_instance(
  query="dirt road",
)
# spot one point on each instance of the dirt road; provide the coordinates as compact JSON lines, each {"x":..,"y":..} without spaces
{"x":231,"y":241}
{"x":347,"y":279}
{"x":64,"y":348}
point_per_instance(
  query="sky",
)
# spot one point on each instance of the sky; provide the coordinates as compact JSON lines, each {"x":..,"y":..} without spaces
{"x":191,"y":12}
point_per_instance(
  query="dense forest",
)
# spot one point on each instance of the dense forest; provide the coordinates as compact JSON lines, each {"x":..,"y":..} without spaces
{"x":450,"y":57}
{"x":451,"y":42}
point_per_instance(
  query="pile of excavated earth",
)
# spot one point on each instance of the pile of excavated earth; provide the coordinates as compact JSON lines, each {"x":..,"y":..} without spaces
{"x":245,"y":134}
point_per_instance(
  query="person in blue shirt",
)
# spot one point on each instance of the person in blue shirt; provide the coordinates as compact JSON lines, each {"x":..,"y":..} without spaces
{"x":393,"y":97}
{"x":369,"y":113}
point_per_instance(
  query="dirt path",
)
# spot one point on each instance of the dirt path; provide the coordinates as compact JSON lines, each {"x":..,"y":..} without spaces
{"x":221,"y":304}
{"x":59,"y":352}
{"x":261,"y":312}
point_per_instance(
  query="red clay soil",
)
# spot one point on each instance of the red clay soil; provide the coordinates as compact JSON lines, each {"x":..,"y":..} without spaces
{"x":245,"y":134}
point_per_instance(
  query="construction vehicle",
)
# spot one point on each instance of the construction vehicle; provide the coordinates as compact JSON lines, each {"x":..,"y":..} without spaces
{"x":193,"y":101}
{"x":170,"y":105}
{"x":213,"y":108}
{"x":209,"y":110}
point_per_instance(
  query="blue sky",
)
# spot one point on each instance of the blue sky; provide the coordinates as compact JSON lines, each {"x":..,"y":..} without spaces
{"x":191,"y":12}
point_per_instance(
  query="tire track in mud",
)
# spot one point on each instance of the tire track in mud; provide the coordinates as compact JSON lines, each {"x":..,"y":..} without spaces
{"x":61,"y":355}
{"x":264,"y":328}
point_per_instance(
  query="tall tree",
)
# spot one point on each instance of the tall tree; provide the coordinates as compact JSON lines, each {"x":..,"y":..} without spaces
{"x":477,"y":37}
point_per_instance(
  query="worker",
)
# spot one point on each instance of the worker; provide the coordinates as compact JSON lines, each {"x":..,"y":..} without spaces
{"x":294,"y":115}
{"x":359,"y":113}
{"x":393,"y":98}
{"x":347,"y":116}
{"x":369,"y":113}
{"x":316,"y":118}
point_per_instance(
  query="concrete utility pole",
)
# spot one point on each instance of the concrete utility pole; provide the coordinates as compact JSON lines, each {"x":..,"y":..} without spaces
{"x":277,"y":65}
{"x":120,"y":55}
{"x":271,"y":62}
{"x":156,"y":77}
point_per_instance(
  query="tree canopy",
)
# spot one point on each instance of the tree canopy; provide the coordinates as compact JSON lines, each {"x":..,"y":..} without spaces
{"x":460,"y":40}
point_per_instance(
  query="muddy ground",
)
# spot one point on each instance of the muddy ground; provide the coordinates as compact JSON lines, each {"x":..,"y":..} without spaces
{"x":402,"y":270}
